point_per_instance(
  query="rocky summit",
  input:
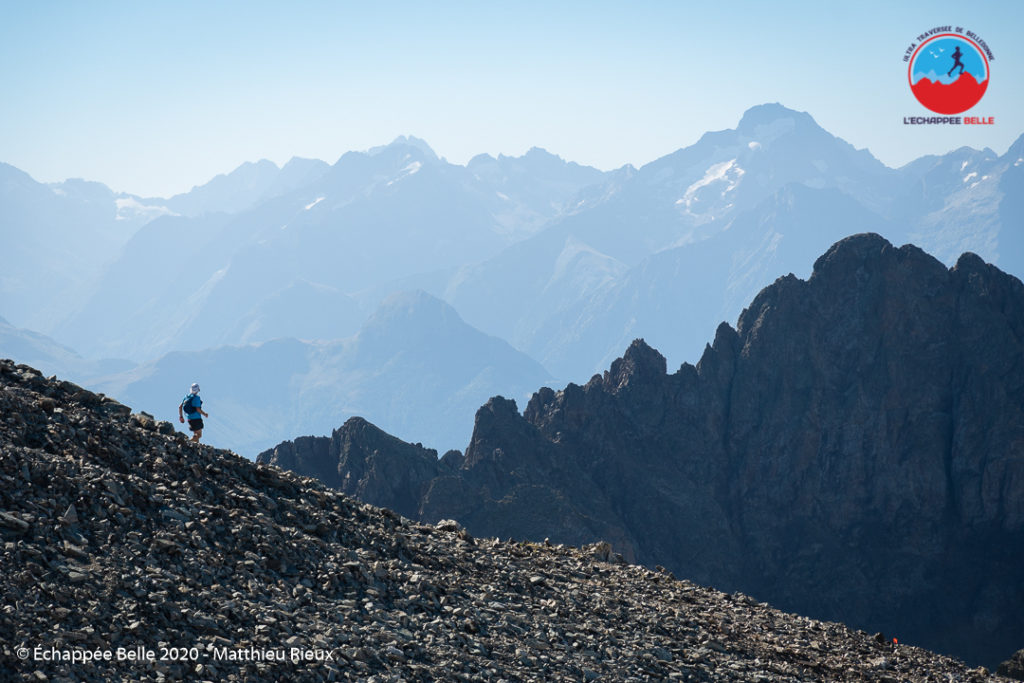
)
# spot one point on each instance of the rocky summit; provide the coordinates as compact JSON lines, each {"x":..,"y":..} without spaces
{"x":131,"y":554}
{"x":853,"y":450}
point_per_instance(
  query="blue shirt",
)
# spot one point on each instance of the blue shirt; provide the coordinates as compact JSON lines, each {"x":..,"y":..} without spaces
{"x":192,"y":412}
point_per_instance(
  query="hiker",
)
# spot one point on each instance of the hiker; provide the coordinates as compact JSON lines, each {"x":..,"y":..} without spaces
{"x":192,"y":407}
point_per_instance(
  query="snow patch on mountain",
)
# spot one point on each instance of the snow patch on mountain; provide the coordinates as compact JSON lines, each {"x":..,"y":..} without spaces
{"x":408,"y":170}
{"x":129,"y":208}
{"x":725,"y":172}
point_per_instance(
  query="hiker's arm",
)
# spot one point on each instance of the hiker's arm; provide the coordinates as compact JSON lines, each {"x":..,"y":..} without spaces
{"x":181,"y":418}
{"x":205,"y":414}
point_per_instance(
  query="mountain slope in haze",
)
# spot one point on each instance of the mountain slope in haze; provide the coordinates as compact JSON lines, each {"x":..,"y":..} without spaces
{"x":370,"y":219}
{"x":247,"y":186}
{"x":286,"y":313}
{"x":564,"y":262}
{"x":59,"y":237}
{"x":56,"y":238}
{"x":851,"y":450}
{"x":144,"y":542}
{"x":675,"y":202}
{"x":724,"y":196}
{"x":966,"y":199}
{"x":676,"y":297}
{"x":530,"y":249}
{"x":537,"y":186}
{"x":52,"y":358}
{"x":414,"y":367}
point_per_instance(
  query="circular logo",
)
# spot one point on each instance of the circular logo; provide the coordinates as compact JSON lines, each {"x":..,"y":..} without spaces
{"x":948,"y":73}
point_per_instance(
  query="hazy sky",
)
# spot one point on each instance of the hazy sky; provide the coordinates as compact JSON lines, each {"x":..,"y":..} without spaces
{"x":155,"y":97}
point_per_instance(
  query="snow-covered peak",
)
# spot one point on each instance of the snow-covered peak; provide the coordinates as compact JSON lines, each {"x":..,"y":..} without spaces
{"x":709,"y":195}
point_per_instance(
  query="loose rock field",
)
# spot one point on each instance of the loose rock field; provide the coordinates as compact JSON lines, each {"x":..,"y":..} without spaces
{"x":118,"y":537}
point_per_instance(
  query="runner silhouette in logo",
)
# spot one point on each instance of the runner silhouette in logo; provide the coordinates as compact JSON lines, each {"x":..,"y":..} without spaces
{"x":956,"y":61}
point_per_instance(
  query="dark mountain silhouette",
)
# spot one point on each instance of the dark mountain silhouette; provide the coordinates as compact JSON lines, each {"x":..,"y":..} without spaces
{"x":853,"y":449}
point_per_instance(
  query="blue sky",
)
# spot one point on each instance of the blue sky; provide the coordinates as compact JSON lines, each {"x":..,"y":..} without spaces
{"x":154,"y":97}
{"x":935,"y":58}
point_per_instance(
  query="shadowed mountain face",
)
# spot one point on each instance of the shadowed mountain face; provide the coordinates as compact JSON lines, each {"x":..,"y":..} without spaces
{"x":853,"y":449}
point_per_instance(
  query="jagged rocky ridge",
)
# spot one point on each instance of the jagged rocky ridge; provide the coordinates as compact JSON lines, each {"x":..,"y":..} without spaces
{"x":1013,"y":667}
{"x":853,"y":449}
{"x":117,"y":533}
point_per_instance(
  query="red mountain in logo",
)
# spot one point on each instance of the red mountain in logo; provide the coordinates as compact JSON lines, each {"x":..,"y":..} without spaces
{"x":958,"y":96}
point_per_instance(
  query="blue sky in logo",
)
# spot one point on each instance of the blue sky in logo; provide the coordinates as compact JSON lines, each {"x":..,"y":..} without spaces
{"x":935,"y":59}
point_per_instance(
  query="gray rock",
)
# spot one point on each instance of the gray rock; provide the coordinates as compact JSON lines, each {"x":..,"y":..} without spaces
{"x":70,"y":516}
{"x":385,"y":598}
{"x":12,"y":522}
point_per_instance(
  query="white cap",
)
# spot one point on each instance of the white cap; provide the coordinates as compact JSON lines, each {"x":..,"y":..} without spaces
{"x":195,"y":388}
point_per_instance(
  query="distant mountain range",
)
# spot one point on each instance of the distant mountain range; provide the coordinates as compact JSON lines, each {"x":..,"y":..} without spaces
{"x":853,"y":449}
{"x":414,"y":365}
{"x":372,"y":218}
{"x":56,"y":240}
{"x":671,"y":250}
{"x":564,"y":262}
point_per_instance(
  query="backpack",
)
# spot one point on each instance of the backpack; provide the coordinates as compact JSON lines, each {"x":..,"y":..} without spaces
{"x":186,"y":404}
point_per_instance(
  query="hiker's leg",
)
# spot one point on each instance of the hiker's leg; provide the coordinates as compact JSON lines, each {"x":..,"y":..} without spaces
{"x":196,"y":435}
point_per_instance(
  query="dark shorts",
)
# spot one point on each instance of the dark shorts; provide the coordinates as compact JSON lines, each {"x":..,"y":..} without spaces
{"x":196,"y":425}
